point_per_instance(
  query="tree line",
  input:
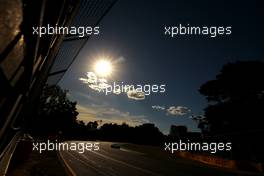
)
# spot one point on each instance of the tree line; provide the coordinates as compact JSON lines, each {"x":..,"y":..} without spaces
{"x":234,"y":113}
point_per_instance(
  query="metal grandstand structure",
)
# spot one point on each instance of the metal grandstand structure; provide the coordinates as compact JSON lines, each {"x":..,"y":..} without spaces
{"x":28,"y":62}
{"x":90,"y":14}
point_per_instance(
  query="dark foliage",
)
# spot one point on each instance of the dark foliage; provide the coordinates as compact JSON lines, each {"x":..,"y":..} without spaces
{"x":236,"y":106}
{"x":146,"y":134}
{"x":56,"y":113}
{"x":57,"y":118}
{"x":236,"y":97}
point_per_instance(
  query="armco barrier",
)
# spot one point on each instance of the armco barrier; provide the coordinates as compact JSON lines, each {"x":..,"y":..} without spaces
{"x":221,"y":162}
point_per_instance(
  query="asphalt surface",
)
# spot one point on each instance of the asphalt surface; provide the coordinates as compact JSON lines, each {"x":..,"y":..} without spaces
{"x":108,"y":161}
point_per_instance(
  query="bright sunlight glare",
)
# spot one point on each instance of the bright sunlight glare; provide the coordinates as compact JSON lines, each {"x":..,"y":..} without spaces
{"x":103,"y":68}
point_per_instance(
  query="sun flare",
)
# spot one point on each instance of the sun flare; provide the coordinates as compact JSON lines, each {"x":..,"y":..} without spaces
{"x":103,"y":68}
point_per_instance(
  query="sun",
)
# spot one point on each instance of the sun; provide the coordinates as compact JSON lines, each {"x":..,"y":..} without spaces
{"x":103,"y":67}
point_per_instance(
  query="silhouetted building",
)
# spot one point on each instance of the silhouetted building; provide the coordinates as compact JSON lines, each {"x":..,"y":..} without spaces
{"x":178,"y":131}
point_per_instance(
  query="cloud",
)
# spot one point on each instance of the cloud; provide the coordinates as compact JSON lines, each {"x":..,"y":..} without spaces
{"x":119,"y":60}
{"x":91,"y":78}
{"x":95,"y":87}
{"x":88,"y":80}
{"x":109,"y":115}
{"x":177,"y":110}
{"x":101,"y":85}
{"x":173,"y":110}
{"x":136,"y":95}
{"x":84,"y":80}
{"x":198,"y":117}
{"x":157,"y":107}
{"x":95,"y":83}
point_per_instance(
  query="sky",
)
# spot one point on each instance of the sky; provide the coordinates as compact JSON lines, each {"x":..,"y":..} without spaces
{"x":132,"y":38}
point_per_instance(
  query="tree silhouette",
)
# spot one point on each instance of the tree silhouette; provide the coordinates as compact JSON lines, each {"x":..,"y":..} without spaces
{"x":236,"y":98}
{"x":143,"y":134}
{"x":236,"y":108}
{"x":56,"y":113}
{"x":92,"y":125}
